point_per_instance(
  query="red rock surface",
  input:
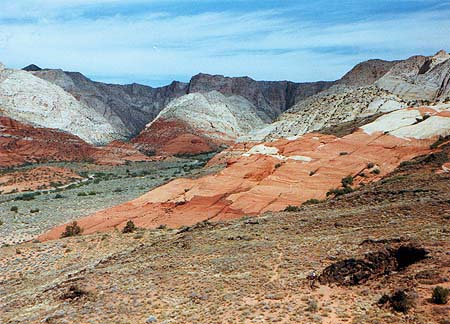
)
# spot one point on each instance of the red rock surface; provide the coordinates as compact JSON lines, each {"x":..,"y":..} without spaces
{"x":42,"y":177}
{"x":253,"y":184}
{"x":164,"y":137}
{"x":21,"y":143}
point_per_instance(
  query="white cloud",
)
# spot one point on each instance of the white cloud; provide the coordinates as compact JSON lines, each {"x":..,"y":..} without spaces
{"x":261,"y":44}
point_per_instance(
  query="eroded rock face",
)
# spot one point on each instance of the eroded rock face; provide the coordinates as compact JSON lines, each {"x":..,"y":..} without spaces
{"x":420,"y":78}
{"x":29,"y":99}
{"x":371,"y":87}
{"x":22,"y":143}
{"x":270,"y":98}
{"x":366,"y":73}
{"x":197,"y":123}
{"x":270,"y":176}
{"x":127,"y":107}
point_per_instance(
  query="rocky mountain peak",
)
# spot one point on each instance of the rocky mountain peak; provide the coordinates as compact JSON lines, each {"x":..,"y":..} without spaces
{"x":32,"y":67}
{"x":441,"y":53}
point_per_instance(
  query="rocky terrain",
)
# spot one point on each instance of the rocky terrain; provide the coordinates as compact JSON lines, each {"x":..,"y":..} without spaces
{"x":128,"y":108}
{"x":30,"y":99}
{"x":371,"y":87}
{"x":199,"y":122}
{"x":420,"y":78}
{"x":271,"y":176}
{"x":252,"y":270}
{"x":24,"y":144}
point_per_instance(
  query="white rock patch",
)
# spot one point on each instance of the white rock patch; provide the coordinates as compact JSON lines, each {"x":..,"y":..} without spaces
{"x":392,"y":121}
{"x":273,"y":152}
{"x":432,"y":126}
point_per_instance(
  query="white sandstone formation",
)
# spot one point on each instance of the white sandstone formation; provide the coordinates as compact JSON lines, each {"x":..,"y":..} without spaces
{"x":29,"y":99}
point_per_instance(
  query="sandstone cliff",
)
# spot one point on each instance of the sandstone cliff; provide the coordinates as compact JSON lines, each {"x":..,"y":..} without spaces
{"x":32,"y":100}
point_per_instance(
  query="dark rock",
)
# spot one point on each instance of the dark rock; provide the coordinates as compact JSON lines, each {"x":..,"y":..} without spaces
{"x":352,"y":272}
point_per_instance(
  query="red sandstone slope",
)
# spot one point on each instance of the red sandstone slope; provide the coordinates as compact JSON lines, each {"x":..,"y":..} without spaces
{"x":172,"y":137}
{"x":273,"y":175}
{"x":21,"y":143}
{"x":38,"y":178}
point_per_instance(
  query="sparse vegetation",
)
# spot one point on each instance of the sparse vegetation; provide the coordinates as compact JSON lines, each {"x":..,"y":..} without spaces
{"x":440,"y":295}
{"x":376,"y":171}
{"x":72,"y":230}
{"x":291,"y":208}
{"x":441,"y":140}
{"x":401,"y":301}
{"x":82,"y":194}
{"x":59,"y":196}
{"x":311,"y":201}
{"x":130,"y":227}
{"x":35,"y":210}
{"x":346,"y":182}
{"x":27,"y":196}
{"x":14,"y":209}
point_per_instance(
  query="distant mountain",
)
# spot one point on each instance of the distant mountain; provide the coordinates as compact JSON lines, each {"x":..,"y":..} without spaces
{"x":30,"y":99}
{"x":199,"y":122}
{"x":130,"y":107}
{"x":371,"y":87}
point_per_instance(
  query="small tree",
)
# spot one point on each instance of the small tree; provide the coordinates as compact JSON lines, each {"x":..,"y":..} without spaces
{"x":129,"y":227}
{"x":72,"y":230}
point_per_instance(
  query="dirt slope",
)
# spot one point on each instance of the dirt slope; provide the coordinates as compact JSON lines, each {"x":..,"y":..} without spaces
{"x":251,"y":270}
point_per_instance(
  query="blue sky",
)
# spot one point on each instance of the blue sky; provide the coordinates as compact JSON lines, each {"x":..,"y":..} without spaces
{"x":157,"y":41}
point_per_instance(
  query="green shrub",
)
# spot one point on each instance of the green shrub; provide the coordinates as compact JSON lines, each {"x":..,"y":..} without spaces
{"x":401,"y":302}
{"x":347,"y":181}
{"x":339,"y":191}
{"x":14,"y":209}
{"x":370,"y":165}
{"x":27,"y":196}
{"x":311,"y":201}
{"x":440,"y":295}
{"x":129,"y":227}
{"x":376,"y":171}
{"x":72,"y":230}
{"x":291,"y":208}
{"x":117,"y":190}
{"x":81,"y":194}
{"x":33,"y":211}
{"x":277,"y":165}
{"x":92,"y":193}
{"x":59,"y":196}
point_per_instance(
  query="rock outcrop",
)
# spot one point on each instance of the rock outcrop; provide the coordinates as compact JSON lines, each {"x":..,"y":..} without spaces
{"x":199,"y":122}
{"x":270,"y":98}
{"x":371,"y":87}
{"x":129,"y":108}
{"x":420,"y":78}
{"x":30,"y":99}
{"x":271,"y":176}
{"x":22,"y":143}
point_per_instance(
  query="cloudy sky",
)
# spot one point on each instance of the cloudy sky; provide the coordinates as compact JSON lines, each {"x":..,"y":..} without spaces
{"x":157,"y":41}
